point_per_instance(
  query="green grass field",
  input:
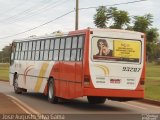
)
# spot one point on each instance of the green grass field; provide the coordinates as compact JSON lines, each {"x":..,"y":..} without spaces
{"x":152,"y":83}
{"x":4,"y":71}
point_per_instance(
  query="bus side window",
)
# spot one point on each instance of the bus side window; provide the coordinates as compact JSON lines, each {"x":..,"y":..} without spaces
{"x":22,"y":50}
{"x":74,"y":49}
{"x":26,"y":51}
{"x":61,"y":52}
{"x":56,"y":49}
{"x":13,"y":51}
{"x":46,"y":51}
{"x":29,"y":51}
{"x":42,"y":50}
{"x":80,"y":48}
{"x":16,"y":53}
{"x":19,"y":51}
{"x":33,"y":50}
{"x":67,"y":53}
{"x":80,"y":42}
{"x":17,"y":46}
{"x":51,"y":49}
{"x":37,"y":50}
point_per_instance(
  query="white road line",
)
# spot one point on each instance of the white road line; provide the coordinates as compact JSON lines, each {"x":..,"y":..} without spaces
{"x":134,"y":106}
{"x":24,"y":104}
{"x":20,"y":106}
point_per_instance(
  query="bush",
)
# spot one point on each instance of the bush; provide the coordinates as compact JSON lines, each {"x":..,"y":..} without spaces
{"x":158,"y":61}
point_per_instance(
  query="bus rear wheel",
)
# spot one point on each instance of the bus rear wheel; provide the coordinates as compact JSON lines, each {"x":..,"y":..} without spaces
{"x":51,"y":92}
{"x":96,"y":100}
{"x":17,"y":90}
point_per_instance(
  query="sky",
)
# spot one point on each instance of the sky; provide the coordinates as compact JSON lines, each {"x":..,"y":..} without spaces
{"x":17,"y":16}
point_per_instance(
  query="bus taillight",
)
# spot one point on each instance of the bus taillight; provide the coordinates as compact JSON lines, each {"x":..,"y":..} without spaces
{"x":142,"y":82}
{"x":86,"y":80}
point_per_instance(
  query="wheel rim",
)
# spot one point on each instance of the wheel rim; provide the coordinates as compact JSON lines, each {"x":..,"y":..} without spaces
{"x":50,"y":91}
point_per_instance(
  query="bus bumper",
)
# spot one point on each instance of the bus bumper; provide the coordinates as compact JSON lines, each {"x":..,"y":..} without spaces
{"x":112,"y":94}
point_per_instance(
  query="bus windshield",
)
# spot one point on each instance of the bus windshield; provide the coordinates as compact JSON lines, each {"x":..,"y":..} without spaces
{"x":119,"y":50}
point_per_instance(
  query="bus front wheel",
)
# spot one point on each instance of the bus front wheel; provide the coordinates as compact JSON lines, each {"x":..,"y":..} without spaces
{"x":96,"y":100}
{"x":51,"y":92}
{"x":17,"y":90}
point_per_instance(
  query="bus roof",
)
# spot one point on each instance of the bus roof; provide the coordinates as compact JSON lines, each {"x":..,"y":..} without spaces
{"x":116,"y":30}
{"x":61,"y":34}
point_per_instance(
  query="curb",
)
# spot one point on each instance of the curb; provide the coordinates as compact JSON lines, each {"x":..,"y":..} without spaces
{"x":149,"y":101}
{"x":4,"y":80}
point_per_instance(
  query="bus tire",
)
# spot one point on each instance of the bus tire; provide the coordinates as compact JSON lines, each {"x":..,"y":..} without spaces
{"x":51,"y":92}
{"x":96,"y":100}
{"x":17,"y":90}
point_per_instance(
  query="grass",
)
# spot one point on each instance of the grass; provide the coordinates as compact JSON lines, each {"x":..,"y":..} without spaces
{"x":4,"y":72}
{"x":152,"y":83}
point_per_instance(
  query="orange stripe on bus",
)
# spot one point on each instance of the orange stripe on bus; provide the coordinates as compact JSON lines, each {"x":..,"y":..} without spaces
{"x":40,"y":79}
{"x":104,"y":68}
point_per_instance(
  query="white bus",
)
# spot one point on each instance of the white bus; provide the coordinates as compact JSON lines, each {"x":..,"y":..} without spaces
{"x":97,"y":63}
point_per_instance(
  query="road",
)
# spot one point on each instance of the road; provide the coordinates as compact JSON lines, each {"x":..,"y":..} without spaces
{"x":39,"y":103}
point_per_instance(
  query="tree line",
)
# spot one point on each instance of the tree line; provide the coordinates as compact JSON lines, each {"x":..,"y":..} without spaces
{"x":5,"y":54}
{"x":119,"y":19}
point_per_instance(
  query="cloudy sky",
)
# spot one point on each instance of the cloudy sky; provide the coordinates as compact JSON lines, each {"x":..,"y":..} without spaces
{"x":17,"y":16}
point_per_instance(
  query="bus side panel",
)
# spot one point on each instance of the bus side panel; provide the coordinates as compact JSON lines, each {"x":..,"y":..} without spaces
{"x":70,"y":80}
{"x":67,"y":77}
{"x":67,"y":80}
{"x":79,"y":78}
{"x":62,"y":83}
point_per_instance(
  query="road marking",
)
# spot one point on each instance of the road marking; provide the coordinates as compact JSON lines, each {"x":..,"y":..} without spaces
{"x":26,"y":111}
{"x":134,"y":106}
{"x":24,"y":104}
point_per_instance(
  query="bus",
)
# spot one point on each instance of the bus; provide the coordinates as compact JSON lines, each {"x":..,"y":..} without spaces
{"x":97,"y":63}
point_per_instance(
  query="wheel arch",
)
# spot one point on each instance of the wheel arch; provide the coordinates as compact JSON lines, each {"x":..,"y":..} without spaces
{"x":46,"y":88}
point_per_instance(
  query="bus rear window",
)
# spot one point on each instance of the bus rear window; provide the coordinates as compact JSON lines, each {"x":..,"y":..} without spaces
{"x":121,"y":50}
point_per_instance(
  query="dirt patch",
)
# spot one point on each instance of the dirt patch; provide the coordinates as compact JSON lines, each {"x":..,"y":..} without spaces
{"x":7,"y":106}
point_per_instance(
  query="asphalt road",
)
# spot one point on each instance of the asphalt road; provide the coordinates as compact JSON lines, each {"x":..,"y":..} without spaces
{"x":79,"y":108}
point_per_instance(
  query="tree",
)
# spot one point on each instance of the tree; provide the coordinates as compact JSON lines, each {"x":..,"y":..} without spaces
{"x":103,"y":15}
{"x":100,"y":18}
{"x":5,"y":54}
{"x":157,"y":51}
{"x":150,"y":51}
{"x":120,"y":19}
{"x":152,"y":35}
{"x":142,"y":23}
{"x":152,"y":46}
